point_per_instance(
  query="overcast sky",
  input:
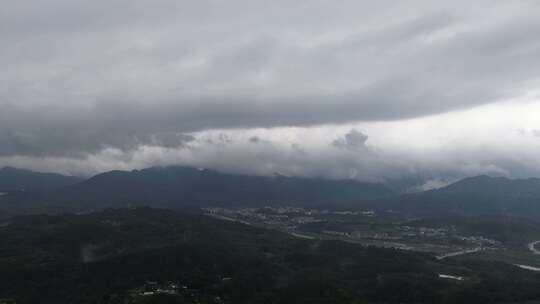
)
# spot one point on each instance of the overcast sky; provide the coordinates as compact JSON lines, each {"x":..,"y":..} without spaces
{"x":373,"y":90}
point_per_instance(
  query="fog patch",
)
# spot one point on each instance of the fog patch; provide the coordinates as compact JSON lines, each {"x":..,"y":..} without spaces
{"x":433,"y":184}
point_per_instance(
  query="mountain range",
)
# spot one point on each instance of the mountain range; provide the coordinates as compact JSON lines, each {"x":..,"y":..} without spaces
{"x":177,"y":187}
{"x":479,"y":195}
{"x":182,"y":186}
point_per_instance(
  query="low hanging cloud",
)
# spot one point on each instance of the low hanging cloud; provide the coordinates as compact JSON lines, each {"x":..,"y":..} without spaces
{"x":417,"y":154}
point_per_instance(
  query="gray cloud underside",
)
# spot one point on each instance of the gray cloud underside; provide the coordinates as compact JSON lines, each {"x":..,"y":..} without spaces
{"x":78,"y":76}
{"x":340,"y":155}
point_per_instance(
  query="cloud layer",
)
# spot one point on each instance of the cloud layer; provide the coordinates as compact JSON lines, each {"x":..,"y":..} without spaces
{"x":420,"y":153}
{"x":112,"y":83}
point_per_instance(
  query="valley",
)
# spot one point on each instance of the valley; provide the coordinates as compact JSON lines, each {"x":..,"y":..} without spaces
{"x":444,"y":239}
{"x":184,"y":235}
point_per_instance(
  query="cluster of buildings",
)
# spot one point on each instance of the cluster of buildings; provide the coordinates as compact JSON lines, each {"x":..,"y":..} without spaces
{"x":479,"y":240}
{"x":152,"y":288}
{"x":357,"y":226}
{"x":287,"y":218}
{"x":441,"y":232}
{"x":375,"y":235}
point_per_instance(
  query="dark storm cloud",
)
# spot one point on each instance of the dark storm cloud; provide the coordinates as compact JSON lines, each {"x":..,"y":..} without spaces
{"x":80,"y":76}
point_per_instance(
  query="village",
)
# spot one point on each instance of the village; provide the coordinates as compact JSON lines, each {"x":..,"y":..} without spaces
{"x":367,"y":227}
{"x":175,"y":289}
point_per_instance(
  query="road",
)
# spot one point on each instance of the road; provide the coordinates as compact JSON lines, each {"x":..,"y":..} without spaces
{"x":462,"y":252}
{"x":532,"y":247}
{"x":527,"y":267}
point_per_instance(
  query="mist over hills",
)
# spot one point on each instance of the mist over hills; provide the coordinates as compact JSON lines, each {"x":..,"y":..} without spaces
{"x":496,"y":186}
{"x":480,"y":195}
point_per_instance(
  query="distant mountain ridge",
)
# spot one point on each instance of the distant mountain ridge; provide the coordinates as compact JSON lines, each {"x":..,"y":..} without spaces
{"x":13,"y":179}
{"x":166,"y":186}
{"x":178,"y":187}
{"x":175,"y":186}
{"x":473,"y":196}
